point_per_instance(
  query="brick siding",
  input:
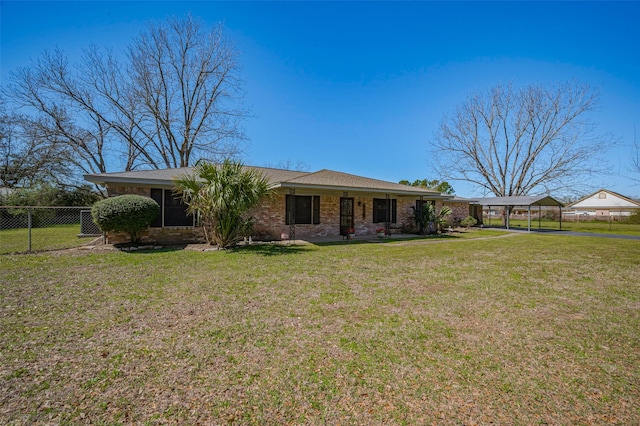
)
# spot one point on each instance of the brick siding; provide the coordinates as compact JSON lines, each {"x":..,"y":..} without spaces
{"x":270,"y":220}
{"x":270,"y":223}
{"x":165,"y":235}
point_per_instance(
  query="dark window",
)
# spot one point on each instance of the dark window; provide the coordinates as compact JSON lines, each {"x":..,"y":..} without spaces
{"x":381,"y":211}
{"x":302,"y":209}
{"x":173,"y":210}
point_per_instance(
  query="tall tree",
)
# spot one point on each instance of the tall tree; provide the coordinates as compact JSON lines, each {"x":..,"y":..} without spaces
{"x":27,"y":154}
{"x":49,"y":93}
{"x":187,"y":81}
{"x":175,"y":95}
{"x":443,"y":187}
{"x":516,"y":142}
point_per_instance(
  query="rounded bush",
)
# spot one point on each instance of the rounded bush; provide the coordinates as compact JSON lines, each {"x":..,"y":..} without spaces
{"x":126,"y":213}
{"x":468,"y":221}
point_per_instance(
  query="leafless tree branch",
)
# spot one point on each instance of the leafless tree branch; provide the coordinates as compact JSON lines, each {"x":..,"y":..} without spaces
{"x":516,"y":142}
{"x":174,"y":98}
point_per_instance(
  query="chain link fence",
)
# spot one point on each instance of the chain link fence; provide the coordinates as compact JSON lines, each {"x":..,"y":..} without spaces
{"x":31,"y":229}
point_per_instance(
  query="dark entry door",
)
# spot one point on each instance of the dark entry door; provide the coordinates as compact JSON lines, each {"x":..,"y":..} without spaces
{"x":346,"y":215}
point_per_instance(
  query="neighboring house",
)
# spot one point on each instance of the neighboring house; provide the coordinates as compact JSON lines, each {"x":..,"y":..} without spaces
{"x":304,"y":205}
{"x":602,"y":204}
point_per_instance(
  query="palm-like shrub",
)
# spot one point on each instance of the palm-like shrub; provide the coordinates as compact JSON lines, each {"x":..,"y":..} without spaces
{"x":429,"y":220}
{"x":126,"y":213}
{"x":221,"y":196}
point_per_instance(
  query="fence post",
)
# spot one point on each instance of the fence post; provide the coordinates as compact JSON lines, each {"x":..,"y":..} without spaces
{"x":29,"y":228}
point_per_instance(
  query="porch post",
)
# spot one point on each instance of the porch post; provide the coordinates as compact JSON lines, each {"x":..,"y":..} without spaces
{"x":292,"y":218}
{"x":560,"y":207}
{"x":507,"y":212}
{"x":387,"y":225}
{"x":539,"y":217}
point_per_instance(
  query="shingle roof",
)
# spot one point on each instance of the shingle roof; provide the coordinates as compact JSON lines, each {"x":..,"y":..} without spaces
{"x":338,"y":180}
{"x":322,"y":179}
{"x":166,"y":176}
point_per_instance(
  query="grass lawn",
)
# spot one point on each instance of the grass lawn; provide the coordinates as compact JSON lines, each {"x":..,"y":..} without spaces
{"x":594,"y":226}
{"x":524,"y":329}
{"x":48,"y":238}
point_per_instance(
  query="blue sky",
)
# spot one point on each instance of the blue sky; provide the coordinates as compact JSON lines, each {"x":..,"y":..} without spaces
{"x":361,"y":87}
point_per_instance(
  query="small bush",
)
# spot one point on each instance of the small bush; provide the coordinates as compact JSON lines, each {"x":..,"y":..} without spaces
{"x":468,"y":221}
{"x":126,"y":213}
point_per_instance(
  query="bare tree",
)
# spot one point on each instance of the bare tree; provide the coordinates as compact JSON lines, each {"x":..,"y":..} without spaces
{"x":28,"y":156}
{"x":514,"y":142}
{"x":174,"y":97}
{"x":187,"y":82}
{"x":64,"y":109}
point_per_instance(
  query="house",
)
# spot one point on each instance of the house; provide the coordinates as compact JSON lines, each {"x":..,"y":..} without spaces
{"x":304,"y":205}
{"x":602,"y":204}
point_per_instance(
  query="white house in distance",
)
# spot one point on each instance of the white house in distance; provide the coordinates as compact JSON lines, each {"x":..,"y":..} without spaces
{"x":602,"y":204}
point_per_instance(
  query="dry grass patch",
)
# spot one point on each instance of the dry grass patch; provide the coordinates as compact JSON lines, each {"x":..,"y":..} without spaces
{"x":523,"y":330}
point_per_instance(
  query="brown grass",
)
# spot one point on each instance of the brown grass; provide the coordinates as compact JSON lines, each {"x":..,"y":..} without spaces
{"x":525,"y":330}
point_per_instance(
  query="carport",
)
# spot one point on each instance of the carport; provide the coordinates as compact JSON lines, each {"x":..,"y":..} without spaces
{"x":522,"y":201}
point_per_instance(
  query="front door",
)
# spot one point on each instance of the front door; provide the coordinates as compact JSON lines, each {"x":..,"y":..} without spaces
{"x":346,"y":215}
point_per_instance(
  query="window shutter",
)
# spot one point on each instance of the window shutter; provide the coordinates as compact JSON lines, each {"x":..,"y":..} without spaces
{"x":316,"y":209}
{"x":290,"y":209}
{"x":394,"y":206}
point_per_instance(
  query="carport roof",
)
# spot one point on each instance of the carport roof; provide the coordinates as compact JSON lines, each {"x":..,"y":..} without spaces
{"x":525,"y":200}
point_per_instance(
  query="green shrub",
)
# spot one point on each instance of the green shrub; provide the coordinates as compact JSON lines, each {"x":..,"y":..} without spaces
{"x":634,"y":218}
{"x":126,"y":213}
{"x":222,"y":196}
{"x":468,"y":221}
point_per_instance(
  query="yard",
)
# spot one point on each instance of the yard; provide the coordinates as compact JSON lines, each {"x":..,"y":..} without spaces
{"x":53,"y":237}
{"x":593,"y":226}
{"x":517,"y":329}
